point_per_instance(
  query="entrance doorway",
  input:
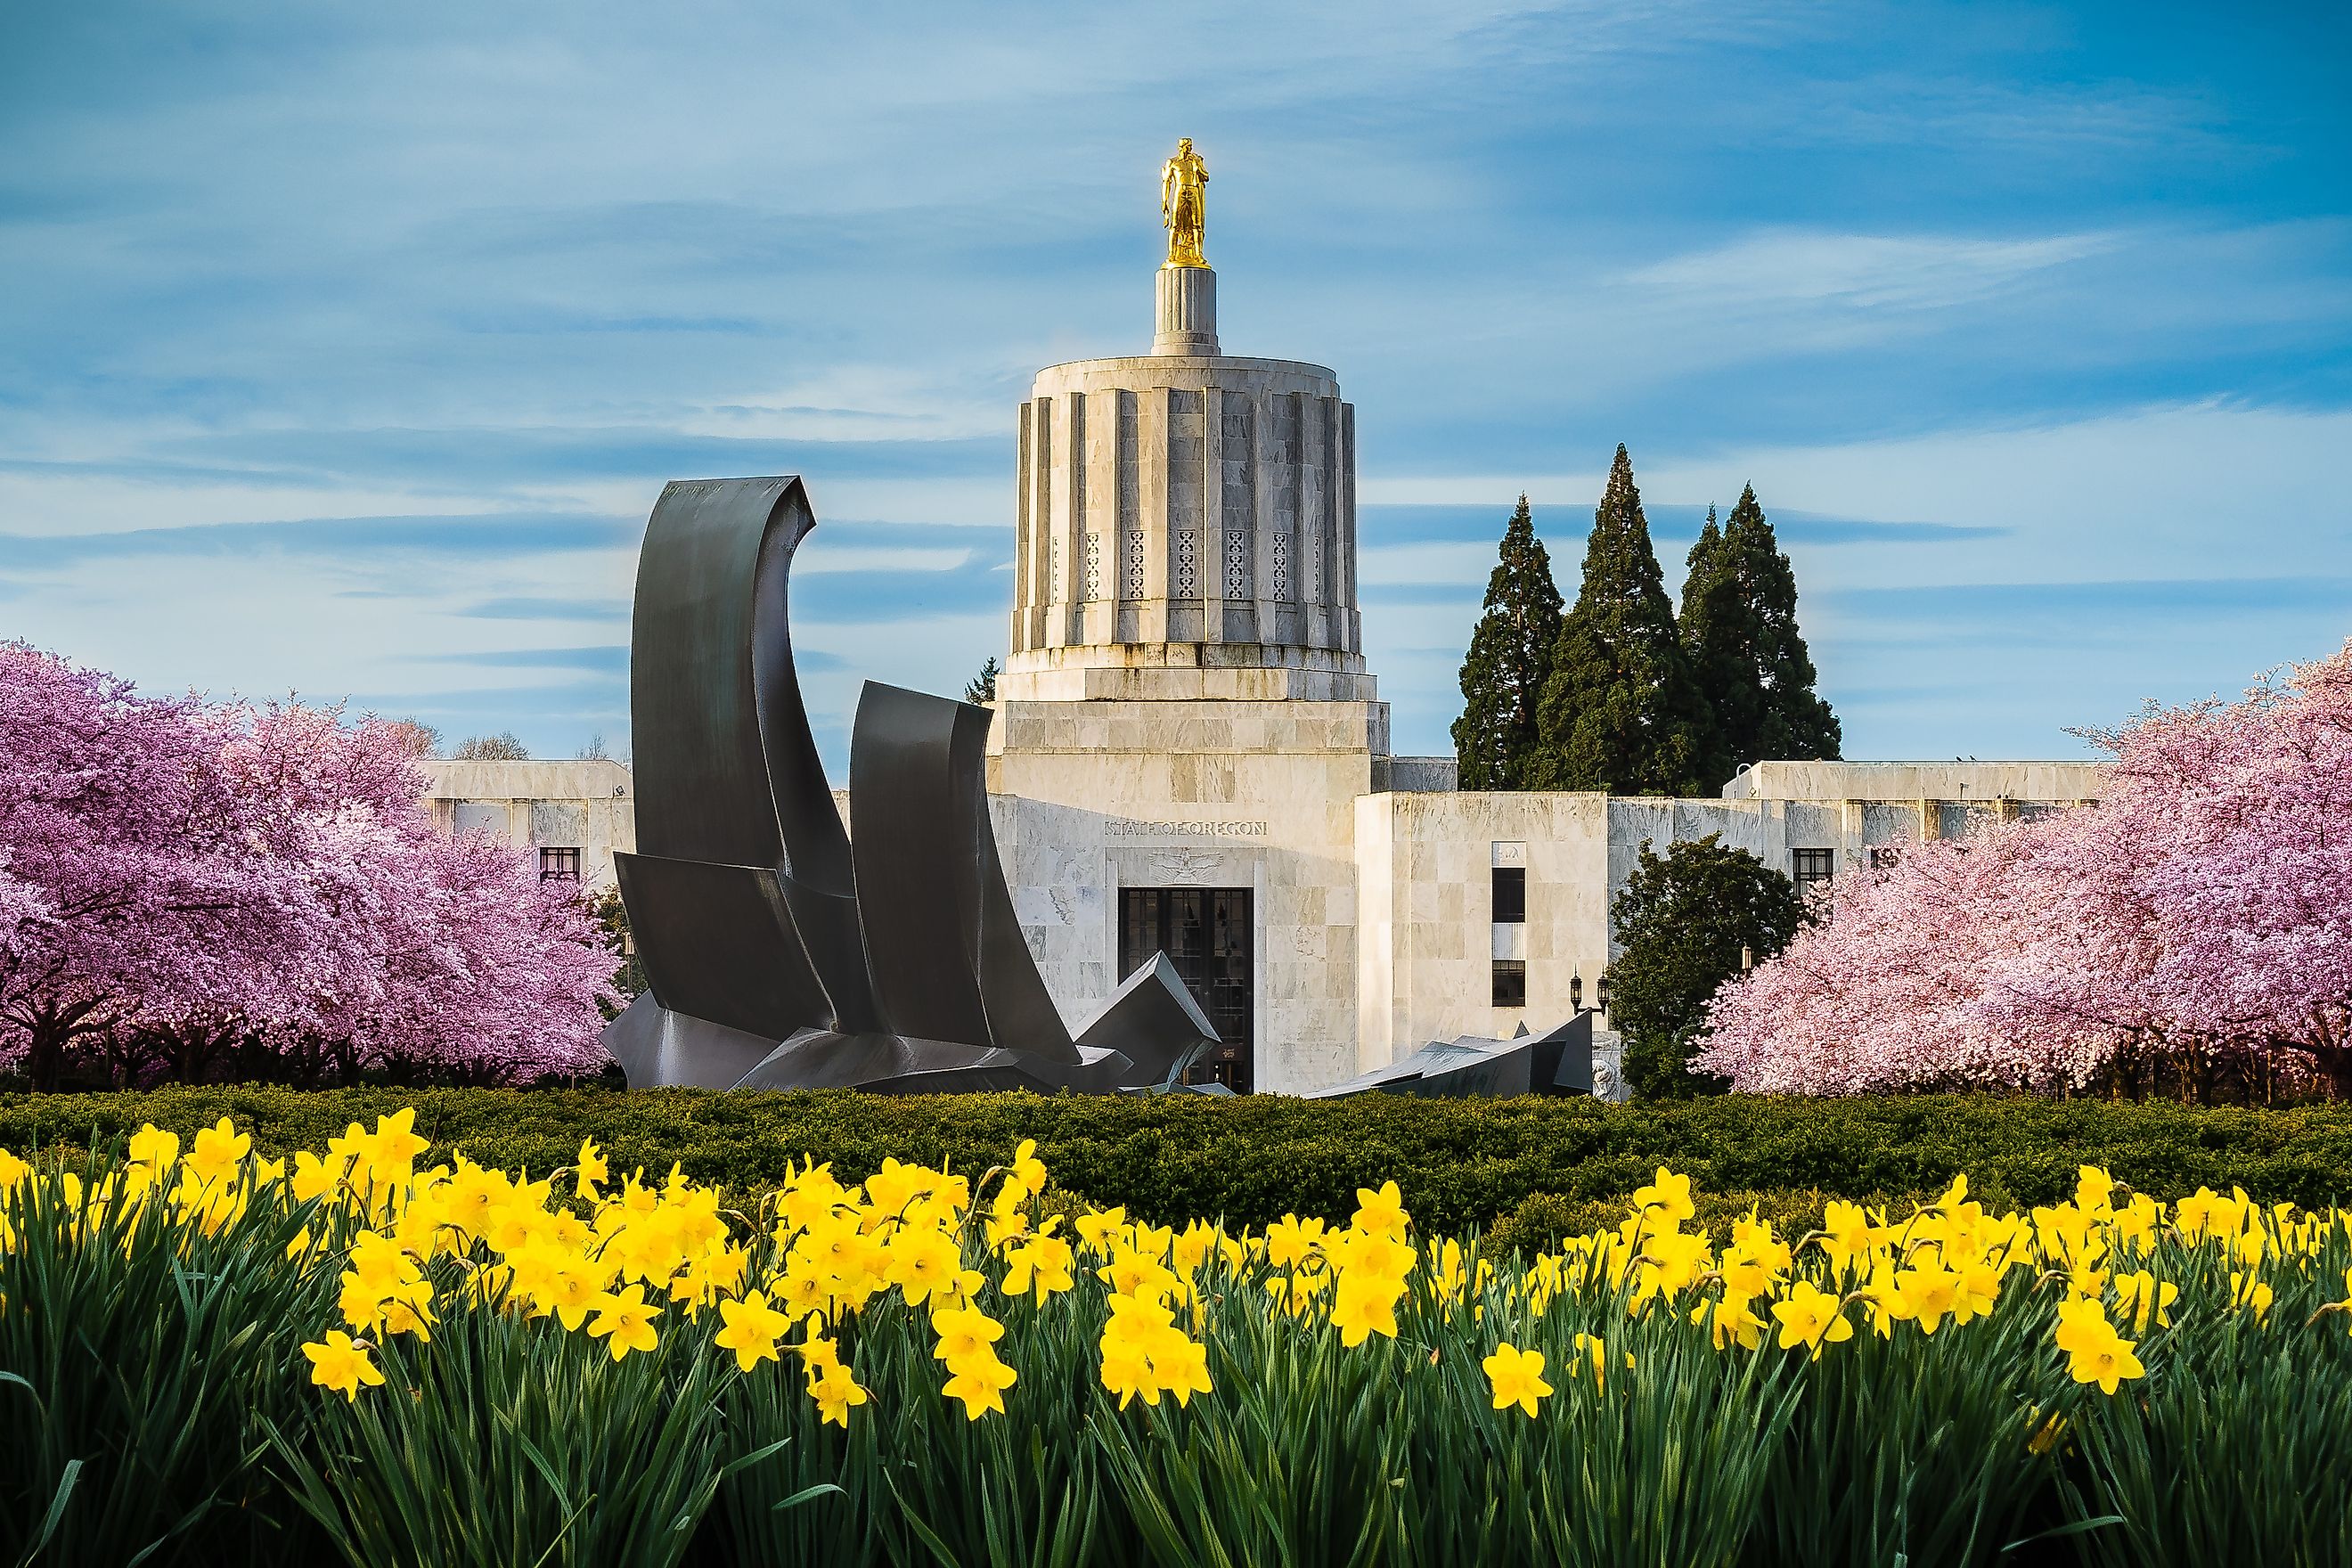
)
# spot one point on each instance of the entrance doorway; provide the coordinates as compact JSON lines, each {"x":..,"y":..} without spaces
{"x":1205,"y":933}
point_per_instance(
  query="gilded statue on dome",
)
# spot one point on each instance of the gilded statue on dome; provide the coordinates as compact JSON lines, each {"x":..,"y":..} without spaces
{"x":1183,"y":201}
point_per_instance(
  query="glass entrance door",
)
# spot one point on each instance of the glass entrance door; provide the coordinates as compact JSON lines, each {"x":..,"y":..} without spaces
{"x":1205,"y":933}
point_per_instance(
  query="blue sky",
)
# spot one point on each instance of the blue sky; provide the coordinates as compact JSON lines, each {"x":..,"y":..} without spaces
{"x":343,"y":349}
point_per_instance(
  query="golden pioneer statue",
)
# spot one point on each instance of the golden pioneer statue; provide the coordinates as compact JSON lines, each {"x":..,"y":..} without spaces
{"x":1183,"y":201}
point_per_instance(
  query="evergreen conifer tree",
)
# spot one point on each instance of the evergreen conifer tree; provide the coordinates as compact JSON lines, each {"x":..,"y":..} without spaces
{"x":1621,"y":710}
{"x":1510,"y":656}
{"x":1740,"y":629}
{"x":1711,"y":594}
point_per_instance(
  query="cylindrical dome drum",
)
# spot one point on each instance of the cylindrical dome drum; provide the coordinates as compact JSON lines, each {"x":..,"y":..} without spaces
{"x":1186,"y":524}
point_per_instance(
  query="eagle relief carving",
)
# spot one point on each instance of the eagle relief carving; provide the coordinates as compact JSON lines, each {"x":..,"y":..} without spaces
{"x":1185,"y":866}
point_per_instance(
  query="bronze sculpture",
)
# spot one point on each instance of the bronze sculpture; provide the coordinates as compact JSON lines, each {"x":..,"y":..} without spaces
{"x":779,"y":954}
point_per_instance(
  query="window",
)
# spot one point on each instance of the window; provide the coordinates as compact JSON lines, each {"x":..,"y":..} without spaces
{"x":1813,"y":866}
{"x":559,"y":865}
{"x":1510,"y":926}
{"x":1510,"y":895}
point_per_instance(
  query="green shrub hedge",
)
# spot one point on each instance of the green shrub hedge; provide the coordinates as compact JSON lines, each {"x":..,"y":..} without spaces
{"x":1254,"y":1159}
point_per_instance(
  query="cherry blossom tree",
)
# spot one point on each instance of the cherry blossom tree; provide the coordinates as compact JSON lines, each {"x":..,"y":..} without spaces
{"x":128,"y":841}
{"x":2192,"y":929}
{"x":192,"y":889}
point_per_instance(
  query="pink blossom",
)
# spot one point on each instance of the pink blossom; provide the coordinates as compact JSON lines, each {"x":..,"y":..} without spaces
{"x":2199,"y":918}
{"x":188,"y":885}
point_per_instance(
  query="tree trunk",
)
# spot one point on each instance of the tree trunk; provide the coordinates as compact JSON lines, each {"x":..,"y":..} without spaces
{"x":45,"y":1055}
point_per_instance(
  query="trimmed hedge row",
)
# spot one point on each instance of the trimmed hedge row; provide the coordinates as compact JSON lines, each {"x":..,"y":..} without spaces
{"x":1253,"y":1159}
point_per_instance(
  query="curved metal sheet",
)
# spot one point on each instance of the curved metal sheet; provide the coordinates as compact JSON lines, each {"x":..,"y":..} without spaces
{"x":1557,"y":1063}
{"x":719,"y":943}
{"x":704,"y":791}
{"x":943,"y":947}
{"x":727,"y":773}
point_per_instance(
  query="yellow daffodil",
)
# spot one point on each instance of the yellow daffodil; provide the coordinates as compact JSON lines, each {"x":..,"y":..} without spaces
{"x":965,"y":1336}
{"x":589,"y":1170}
{"x":1931,"y":1291}
{"x":342,"y":1365}
{"x":1515,"y":1378}
{"x":750,"y":1329}
{"x":624,"y":1321}
{"x":1812,"y":1318}
{"x":836,"y":1393}
{"x":1666,"y":1199}
{"x":980,"y":1382}
{"x":1027,"y":1169}
{"x":1592,"y":1350}
{"x":1290,"y":1241}
{"x":1380,"y":1212}
{"x":2098,"y":1354}
{"x":217,"y":1154}
{"x":152,"y":1149}
{"x":1362,"y":1306}
{"x":1731,"y":1320}
{"x":2143,"y":1296}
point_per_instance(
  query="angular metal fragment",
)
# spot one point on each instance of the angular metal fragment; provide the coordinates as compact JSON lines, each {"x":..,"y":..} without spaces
{"x":1557,"y":1063}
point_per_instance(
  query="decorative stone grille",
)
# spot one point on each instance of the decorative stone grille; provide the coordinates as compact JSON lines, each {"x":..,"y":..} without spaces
{"x":1132,"y":569}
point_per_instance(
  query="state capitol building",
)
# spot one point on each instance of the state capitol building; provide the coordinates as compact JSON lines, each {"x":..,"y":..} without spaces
{"x":1190,"y":755}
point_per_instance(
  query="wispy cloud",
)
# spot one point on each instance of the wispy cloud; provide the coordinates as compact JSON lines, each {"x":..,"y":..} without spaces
{"x":610,"y":658}
{"x":546,"y":609}
{"x":380,"y":539}
{"x":1862,"y":272}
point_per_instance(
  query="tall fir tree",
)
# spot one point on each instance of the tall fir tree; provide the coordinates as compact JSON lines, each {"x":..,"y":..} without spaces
{"x":1707,"y":579}
{"x":1740,"y":629}
{"x":1510,"y":657}
{"x":1621,"y":710}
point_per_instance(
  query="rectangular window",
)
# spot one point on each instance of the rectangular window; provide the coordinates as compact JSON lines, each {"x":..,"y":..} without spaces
{"x":1811,"y":866}
{"x":1510,"y":982}
{"x":1510,"y":895}
{"x":559,"y":865}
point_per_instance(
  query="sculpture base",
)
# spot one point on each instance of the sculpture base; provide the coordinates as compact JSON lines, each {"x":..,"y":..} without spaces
{"x":1142,"y":1042}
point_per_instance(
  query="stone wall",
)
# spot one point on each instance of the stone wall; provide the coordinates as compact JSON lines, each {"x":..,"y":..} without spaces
{"x":1914,"y":781}
{"x":579,"y":803}
{"x":1092,"y":798}
{"x":1424,"y":863}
